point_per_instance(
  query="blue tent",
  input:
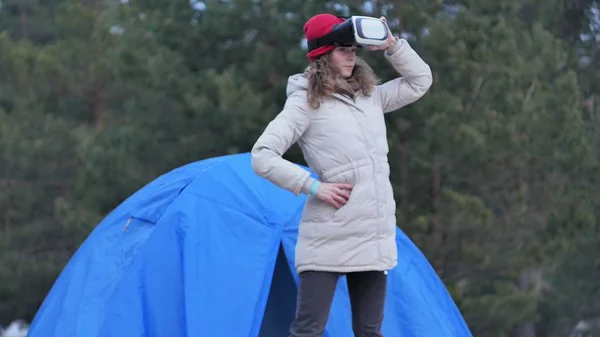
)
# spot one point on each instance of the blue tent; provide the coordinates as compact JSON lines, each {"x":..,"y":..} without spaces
{"x":208,"y":250}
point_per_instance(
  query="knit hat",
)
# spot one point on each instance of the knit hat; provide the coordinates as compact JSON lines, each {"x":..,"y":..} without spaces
{"x":316,"y":27}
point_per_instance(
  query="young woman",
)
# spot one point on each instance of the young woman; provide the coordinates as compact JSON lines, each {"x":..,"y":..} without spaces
{"x":335,"y":111}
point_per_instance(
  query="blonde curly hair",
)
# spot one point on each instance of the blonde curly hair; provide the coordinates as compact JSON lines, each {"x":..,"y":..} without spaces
{"x":323,"y":80}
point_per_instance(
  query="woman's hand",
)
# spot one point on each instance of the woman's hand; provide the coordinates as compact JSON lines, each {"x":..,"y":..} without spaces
{"x":336,"y":195}
{"x":391,"y":40}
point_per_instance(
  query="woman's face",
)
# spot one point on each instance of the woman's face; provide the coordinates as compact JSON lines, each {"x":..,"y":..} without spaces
{"x":343,"y":60}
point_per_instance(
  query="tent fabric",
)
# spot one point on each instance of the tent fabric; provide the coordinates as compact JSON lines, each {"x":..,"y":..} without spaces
{"x":207,"y":249}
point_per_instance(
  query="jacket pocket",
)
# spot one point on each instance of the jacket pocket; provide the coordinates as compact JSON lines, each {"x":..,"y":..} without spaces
{"x":316,"y":210}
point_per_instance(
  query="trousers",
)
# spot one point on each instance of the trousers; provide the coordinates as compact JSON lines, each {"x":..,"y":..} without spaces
{"x":315,"y":295}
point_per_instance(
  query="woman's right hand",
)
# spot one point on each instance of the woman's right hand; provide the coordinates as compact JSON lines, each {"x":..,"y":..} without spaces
{"x":335,"y":194}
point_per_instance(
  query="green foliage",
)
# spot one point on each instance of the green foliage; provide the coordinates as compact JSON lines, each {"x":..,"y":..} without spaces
{"x":36,"y":238}
{"x":495,"y":169}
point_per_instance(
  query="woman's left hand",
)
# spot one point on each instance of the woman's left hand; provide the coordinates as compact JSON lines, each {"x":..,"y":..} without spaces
{"x":389,"y":43}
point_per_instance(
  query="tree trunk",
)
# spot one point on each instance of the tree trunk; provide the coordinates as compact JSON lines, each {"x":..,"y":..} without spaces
{"x":99,"y":105}
{"x":404,"y":188}
{"x":436,"y":228}
{"x":526,"y":329}
{"x":23,"y":21}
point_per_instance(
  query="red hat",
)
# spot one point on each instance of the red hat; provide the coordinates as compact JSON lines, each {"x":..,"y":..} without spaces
{"x":318,"y":26}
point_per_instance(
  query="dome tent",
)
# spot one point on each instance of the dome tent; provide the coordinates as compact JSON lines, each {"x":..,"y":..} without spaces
{"x":208,"y":250}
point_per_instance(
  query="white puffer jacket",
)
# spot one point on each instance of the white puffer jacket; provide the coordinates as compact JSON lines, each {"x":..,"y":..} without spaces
{"x":343,"y":141}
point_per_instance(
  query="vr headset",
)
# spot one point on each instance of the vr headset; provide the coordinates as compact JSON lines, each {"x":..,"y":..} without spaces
{"x":355,"y":30}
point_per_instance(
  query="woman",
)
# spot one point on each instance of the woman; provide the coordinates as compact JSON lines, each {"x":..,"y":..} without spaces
{"x":335,"y":111}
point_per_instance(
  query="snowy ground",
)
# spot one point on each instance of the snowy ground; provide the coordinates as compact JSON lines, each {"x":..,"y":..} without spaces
{"x":18,"y":328}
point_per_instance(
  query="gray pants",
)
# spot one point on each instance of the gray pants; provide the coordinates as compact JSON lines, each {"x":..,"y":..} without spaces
{"x":367,"y":297}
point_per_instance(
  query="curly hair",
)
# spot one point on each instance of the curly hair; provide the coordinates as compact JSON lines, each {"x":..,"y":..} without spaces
{"x":323,"y":81}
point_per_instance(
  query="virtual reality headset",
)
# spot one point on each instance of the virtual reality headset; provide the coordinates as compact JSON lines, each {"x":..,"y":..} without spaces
{"x":355,"y":30}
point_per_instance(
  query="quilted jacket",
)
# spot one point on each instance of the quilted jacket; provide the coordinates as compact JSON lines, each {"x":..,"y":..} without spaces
{"x":343,"y":141}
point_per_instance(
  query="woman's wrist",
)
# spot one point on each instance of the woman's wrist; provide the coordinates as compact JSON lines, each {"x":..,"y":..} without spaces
{"x":391,"y":43}
{"x":314,"y":188}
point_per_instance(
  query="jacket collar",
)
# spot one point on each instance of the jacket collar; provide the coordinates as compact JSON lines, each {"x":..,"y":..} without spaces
{"x":347,"y":100}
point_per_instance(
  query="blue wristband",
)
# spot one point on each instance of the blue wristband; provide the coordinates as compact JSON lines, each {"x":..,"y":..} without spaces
{"x":314,"y":188}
